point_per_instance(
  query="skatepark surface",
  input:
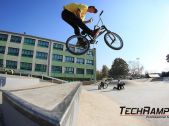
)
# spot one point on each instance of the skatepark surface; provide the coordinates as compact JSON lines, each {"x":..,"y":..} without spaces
{"x":102,"y":107}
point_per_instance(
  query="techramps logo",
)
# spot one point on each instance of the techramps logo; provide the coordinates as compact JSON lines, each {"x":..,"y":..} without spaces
{"x":147,"y":111}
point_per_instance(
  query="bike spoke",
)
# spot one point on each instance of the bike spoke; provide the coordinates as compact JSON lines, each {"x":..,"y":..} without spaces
{"x":77,"y":45}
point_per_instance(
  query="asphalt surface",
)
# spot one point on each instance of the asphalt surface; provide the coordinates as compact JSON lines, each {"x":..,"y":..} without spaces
{"x":138,"y":94}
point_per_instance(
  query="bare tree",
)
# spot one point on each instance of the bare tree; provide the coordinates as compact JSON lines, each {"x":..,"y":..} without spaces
{"x":135,"y":68}
{"x":167,"y":58}
{"x":132,"y":67}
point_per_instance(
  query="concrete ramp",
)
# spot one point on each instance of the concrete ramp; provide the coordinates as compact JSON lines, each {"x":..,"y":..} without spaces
{"x":52,"y":105}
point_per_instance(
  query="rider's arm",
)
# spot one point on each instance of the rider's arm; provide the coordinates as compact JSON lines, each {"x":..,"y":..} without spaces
{"x":88,"y":21}
{"x":78,"y":13}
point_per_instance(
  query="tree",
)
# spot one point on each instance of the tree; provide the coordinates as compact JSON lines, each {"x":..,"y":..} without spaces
{"x":105,"y":71}
{"x":119,"y":69}
{"x":98,"y":75}
{"x":167,"y":58}
{"x":135,"y":68}
{"x":147,"y":75}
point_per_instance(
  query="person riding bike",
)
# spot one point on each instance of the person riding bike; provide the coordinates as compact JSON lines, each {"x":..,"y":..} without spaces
{"x":74,"y":14}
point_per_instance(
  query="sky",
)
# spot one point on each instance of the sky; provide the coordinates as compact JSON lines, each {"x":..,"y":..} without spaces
{"x":142,"y":24}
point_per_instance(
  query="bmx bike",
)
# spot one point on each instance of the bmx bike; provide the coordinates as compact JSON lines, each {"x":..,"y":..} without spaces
{"x":103,"y":85}
{"x":113,"y":40}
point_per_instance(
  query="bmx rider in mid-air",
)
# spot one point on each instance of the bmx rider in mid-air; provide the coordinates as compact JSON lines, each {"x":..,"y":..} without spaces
{"x":74,"y":14}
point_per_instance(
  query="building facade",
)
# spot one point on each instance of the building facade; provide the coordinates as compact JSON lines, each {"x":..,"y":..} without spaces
{"x":35,"y":55}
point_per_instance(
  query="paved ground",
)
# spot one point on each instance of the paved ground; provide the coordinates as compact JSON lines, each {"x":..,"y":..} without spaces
{"x":46,"y":97}
{"x":136,"y":94}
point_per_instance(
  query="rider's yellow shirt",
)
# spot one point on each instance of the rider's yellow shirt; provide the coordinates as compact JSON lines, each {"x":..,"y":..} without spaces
{"x":73,"y":7}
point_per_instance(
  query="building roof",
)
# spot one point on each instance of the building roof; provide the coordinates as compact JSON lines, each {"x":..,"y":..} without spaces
{"x":23,"y":34}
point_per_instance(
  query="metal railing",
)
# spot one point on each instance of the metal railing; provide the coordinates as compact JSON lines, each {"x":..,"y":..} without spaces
{"x":30,"y":74}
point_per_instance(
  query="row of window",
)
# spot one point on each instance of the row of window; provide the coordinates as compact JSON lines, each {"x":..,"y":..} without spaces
{"x":43,"y":68}
{"x":30,"y":41}
{"x":43,"y":55}
{"x":70,"y":59}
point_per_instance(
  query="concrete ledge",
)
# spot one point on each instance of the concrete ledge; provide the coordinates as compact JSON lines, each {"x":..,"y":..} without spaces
{"x":57,"y":106}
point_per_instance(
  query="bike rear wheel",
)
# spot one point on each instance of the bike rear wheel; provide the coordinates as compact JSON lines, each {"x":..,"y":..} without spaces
{"x":113,"y":40}
{"x":105,"y":86}
{"x":73,"y":46}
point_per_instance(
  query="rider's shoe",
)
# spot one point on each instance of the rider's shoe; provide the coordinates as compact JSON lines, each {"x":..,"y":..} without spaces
{"x":81,"y":43}
{"x":95,"y":33}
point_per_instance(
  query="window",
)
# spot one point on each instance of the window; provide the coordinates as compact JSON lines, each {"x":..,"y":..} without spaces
{"x":90,"y":53}
{"x":57,"y":57}
{"x":11,"y":64}
{"x":13,"y":51}
{"x":58,"y":46}
{"x":69,"y":59}
{"x":27,"y":53}
{"x":79,"y":50}
{"x":26,"y":66}
{"x":56,"y":69}
{"x":79,"y":71}
{"x":40,"y":67}
{"x":90,"y":62}
{"x":1,"y":62}
{"x":41,"y":55}
{"x":69,"y":70}
{"x":80,"y":61}
{"x":29,"y":41}
{"x":89,"y":71}
{"x":15,"y":39}
{"x":2,"y":49}
{"x":43,"y":44}
{"x":71,"y":48}
{"x":3,"y":37}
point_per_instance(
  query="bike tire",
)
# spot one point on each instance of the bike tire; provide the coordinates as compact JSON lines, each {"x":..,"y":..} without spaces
{"x":77,"y":53}
{"x":105,"y":86}
{"x":99,"y":88}
{"x":116,"y":36}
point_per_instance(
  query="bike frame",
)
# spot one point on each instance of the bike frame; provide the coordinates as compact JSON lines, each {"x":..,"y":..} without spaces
{"x":103,"y":29}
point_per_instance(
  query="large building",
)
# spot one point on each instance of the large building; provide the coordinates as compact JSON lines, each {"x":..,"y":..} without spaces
{"x":35,"y":55}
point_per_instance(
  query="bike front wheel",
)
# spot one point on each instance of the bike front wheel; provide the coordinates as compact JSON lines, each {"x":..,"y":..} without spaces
{"x":113,"y":40}
{"x":73,"y":46}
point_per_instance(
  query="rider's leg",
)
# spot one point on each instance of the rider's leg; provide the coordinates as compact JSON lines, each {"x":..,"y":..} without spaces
{"x":82,"y":25}
{"x":70,"y":17}
{"x":67,"y":19}
{"x":80,"y":41}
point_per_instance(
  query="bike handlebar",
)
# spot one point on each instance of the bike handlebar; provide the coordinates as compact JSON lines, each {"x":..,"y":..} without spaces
{"x":101,"y":13}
